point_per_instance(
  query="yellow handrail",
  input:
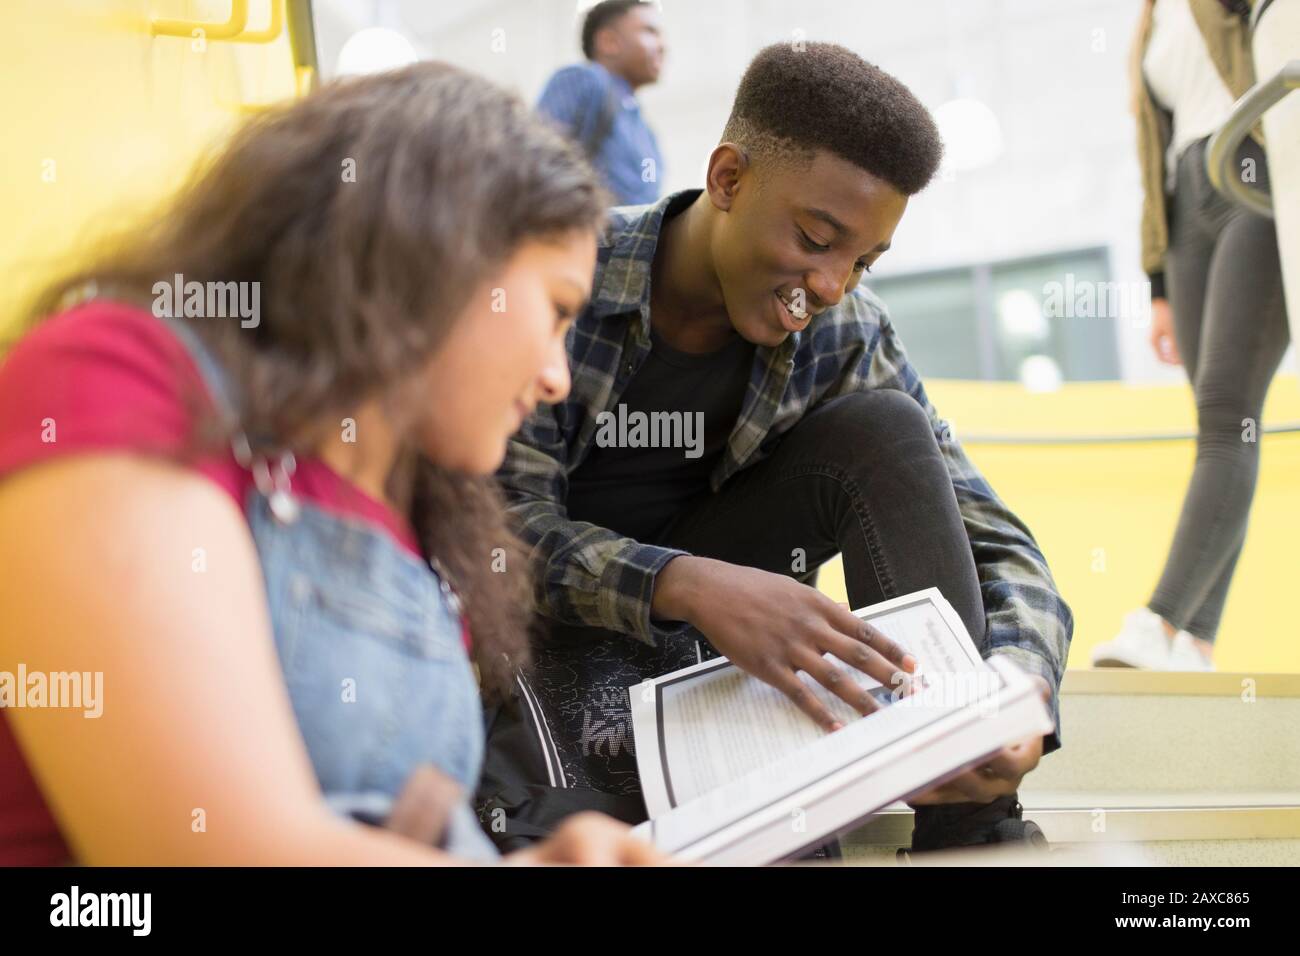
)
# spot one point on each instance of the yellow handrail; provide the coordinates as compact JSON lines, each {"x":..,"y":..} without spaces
{"x":209,"y":30}
{"x":272,"y":31}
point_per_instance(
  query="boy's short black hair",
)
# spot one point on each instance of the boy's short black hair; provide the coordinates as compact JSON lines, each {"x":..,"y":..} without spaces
{"x":797,"y":98}
{"x":601,"y":16}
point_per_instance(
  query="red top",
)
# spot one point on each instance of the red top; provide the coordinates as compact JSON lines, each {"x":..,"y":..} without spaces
{"x":108,"y":376}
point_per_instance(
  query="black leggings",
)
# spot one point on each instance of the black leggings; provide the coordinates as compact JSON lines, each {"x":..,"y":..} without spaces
{"x":1225,"y":289}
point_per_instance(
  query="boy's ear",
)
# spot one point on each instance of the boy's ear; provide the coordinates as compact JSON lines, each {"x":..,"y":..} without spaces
{"x":728,"y":164}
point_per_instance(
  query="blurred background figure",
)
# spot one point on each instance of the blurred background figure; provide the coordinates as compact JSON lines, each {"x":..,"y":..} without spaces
{"x":1217,"y":306}
{"x":595,"y":102}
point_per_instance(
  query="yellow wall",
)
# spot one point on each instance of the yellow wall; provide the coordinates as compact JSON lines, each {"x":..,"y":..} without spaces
{"x":102,"y":119}
{"x":1104,"y":514}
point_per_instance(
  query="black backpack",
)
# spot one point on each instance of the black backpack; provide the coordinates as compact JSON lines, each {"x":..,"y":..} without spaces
{"x":514,"y":808}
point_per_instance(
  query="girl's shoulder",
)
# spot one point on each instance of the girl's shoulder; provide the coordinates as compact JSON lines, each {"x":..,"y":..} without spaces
{"x":102,"y":376}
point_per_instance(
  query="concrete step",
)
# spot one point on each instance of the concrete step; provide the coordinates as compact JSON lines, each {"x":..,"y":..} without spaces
{"x":1128,"y":730}
{"x":1118,"y":817}
{"x":1180,"y":768}
{"x":1198,"y":853}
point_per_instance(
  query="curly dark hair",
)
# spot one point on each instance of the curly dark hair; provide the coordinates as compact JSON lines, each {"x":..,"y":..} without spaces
{"x":796,"y":98}
{"x":601,"y":16}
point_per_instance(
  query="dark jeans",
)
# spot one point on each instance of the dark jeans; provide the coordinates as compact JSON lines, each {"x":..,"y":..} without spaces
{"x":1225,"y":289}
{"x":862,"y":476}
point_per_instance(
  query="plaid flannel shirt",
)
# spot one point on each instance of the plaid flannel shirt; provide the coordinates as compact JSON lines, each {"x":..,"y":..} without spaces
{"x":588,"y":575}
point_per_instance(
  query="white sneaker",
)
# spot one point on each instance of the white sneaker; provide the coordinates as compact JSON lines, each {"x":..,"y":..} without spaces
{"x":1141,"y":642}
{"x":1184,"y":655}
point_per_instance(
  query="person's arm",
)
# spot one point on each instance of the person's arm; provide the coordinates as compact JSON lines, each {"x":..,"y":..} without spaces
{"x":1027,"y":618}
{"x":768,"y":624}
{"x":1154,"y":127}
{"x":572,"y":99}
{"x":196,"y":758}
{"x":586,"y":575}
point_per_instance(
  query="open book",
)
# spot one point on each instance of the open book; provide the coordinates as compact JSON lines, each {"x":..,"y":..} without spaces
{"x":733,"y":773}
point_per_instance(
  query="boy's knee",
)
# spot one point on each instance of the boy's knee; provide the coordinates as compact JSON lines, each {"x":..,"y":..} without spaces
{"x":869,"y":420}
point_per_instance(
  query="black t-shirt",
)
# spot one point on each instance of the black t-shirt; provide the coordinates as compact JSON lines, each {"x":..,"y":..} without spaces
{"x":630,"y":486}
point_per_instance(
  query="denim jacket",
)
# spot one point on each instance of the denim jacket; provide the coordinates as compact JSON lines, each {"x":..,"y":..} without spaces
{"x":369,"y":641}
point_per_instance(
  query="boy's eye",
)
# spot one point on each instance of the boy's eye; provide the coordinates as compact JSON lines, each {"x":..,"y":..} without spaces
{"x":808,"y":241}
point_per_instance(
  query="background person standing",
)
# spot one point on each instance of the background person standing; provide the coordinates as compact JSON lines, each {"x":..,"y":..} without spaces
{"x":1216,"y":307}
{"x":595,"y":102}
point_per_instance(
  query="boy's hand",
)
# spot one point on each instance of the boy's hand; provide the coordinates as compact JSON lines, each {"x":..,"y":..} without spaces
{"x":998,"y":776}
{"x":772,"y":627}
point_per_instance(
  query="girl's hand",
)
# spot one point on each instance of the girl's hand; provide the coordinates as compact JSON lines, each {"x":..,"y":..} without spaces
{"x":591,"y":839}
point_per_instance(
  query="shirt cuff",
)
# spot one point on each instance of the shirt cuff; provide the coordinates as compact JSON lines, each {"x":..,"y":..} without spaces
{"x":628,"y":582}
{"x":1031,"y":663}
{"x":1157,"y":280}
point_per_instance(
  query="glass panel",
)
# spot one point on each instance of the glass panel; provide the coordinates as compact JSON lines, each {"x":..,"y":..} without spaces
{"x":1055,"y":316}
{"x":934,"y":313}
{"x":1050,"y":319}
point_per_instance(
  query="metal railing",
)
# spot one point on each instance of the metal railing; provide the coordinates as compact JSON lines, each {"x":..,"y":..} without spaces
{"x":1221,"y":154}
{"x":234,"y":28}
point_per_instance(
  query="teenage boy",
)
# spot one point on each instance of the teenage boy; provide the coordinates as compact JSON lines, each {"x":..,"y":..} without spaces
{"x":737,"y":308}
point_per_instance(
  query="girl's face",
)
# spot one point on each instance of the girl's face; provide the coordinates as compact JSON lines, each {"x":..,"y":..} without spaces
{"x":506,"y":353}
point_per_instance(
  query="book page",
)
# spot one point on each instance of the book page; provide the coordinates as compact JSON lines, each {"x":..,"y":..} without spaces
{"x":710,"y":724}
{"x":839,"y":779}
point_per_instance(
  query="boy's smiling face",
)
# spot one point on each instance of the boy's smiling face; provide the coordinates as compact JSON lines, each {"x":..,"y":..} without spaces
{"x":794,"y":240}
